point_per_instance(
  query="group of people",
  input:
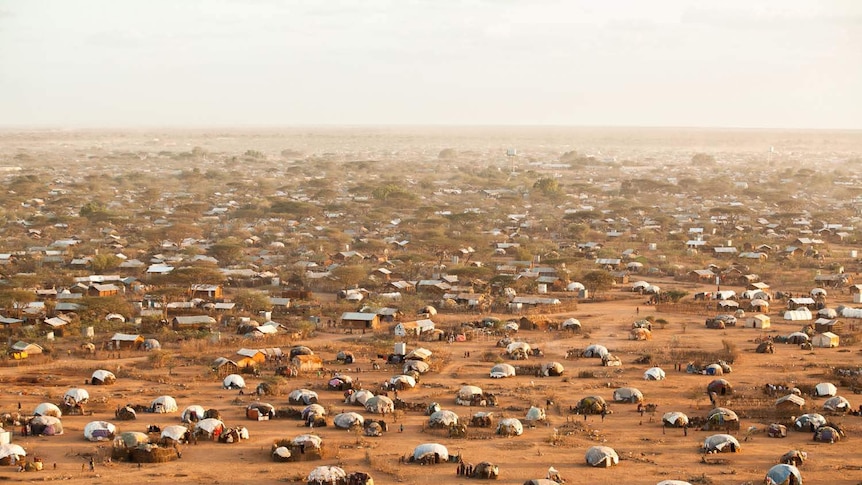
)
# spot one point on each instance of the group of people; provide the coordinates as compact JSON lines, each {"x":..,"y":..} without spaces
{"x":465,"y":469}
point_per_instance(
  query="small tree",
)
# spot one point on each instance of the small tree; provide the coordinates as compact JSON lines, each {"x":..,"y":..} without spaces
{"x":596,"y":281}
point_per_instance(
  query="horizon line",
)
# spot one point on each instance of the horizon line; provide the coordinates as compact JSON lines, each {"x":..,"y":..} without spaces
{"x":265,"y":126}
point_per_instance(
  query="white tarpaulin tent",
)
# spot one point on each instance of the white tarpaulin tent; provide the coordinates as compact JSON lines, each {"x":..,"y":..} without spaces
{"x":602,"y":456}
{"x":801,"y":314}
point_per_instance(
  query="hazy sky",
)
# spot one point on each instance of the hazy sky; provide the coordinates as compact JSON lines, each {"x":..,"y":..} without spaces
{"x":736,"y":63}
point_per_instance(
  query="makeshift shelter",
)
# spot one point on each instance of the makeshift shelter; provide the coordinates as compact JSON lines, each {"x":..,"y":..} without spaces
{"x":595,"y":351}
{"x":481,"y":419}
{"x":313,"y":411}
{"x":326,"y":475}
{"x":602,"y":456}
{"x":721,"y":443}
{"x":192,"y":414}
{"x":46,"y":426}
{"x":800,"y":314}
{"x":720,"y":386}
{"x":790,"y":402}
{"x":797,"y":338}
{"x":674,"y":419}
{"x":827,"y":434}
{"x":373,"y":428}
{"x":783,"y":474}
{"x":209,"y":427}
{"x":552,"y":369}
{"x":47,"y":409}
{"x":571,"y":324}
{"x":591,"y":405}
{"x":713,"y":370}
{"x":767,"y":347}
{"x":469,"y":395}
{"x":500,"y":371}
{"x":825,"y":340}
{"x":510,"y":427}
{"x":837,"y":404}
{"x":164,"y":404}
{"x":99,"y":431}
{"x":486,"y":471}
{"x":402,"y":382}
{"x":430,"y":453}
{"x":776,"y":430}
{"x":640,"y":334}
{"x":348,"y":420}
{"x":809,"y":422}
{"x":151,"y":344}
{"x":442,"y":419}
{"x":721,"y":419}
{"x":126,"y":413}
{"x":302,"y":396}
{"x":825,"y":389}
{"x":345,"y":357}
{"x":380,"y":405}
{"x":628,"y":394}
{"x":360,"y":397}
{"x":233,"y":381}
{"x":11,"y":453}
{"x":299,"y":350}
{"x":794,"y":457}
{"x":417,"y":366}
{"x":102,"y":377}
{"x":76,"y":396}
{"x":175,"y":433}
{"x":519,"y":350}
{"x":535,"y":414}
{"x":260,"y":411}
{"x":131,"y":439}
{"x":654,"y":374}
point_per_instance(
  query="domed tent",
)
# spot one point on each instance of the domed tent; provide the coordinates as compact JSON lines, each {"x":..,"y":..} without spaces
{"x":809,"y":422}
{"x":417,"y":366}
{"x":99,"y":431}
{"x":313,"y":410}
{"x":47,"y":409}
{"x":654,"y":374}
{"x":602,"y":456}
{"x":674,"y":419}
{"x":519,"y":350}
{"x":131,"y":439}
{"x":783,"y":474}
{"x":402,"y":382}
{"x":571,"y":324}
{"x":126,"y":413}
{"x":76,"y":396}
{"x":299,"y":350}
{"x":302,"y":396}
{"x":46,"y":426}
{"x":535,"y":414}
{"x":209,"y":427}
{"x":175,"y":432}
{"x":486,"y":471}
{"x":233,"y":381}
{"x":345,"y":357}
{"x":326,"y":475}
{"x":260,"y":411}
{"x":373,"y":428}
{"x":837,"y":404}
{"x":767,"y":347}
{"x":628,"y":394}
{"x":720,"y":386}
{"x":360,"y":397}
{"x":827,"y":434}
{"x":192,"y":414}
{"x":430,"y":453}
{"x":11,"y":453}
{"x":510,"y":427}
{"x":468,"y":395}
{"x":379,"y":405}
{"x":797,"y":338}
{"x":302,"y":447}
{"x":713,"y":370}
{"x":552,"y":369}
{"x":502,"y":370}
{"x":825,"y":389}
{"x":640,"y":334}
{"x":776,"y":430}
{"x":720,"y":419}
{"x":348,"y":420}
{"x":102,"y":377}
{"x":595,"y":351}
{"x":591,"y":405}
{"x":164,"y":404}
{"x":442,"y":419}
{"x":721,"y":443}
{"x":794,"y":457}
{"x":151,"y":344}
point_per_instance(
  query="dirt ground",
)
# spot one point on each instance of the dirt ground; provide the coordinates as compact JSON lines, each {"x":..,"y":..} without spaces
{"x":648,"y":453}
